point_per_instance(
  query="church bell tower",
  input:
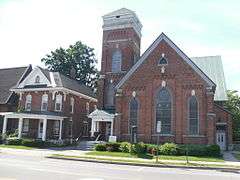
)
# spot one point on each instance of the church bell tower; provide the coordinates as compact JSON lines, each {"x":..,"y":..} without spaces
{"x":120,"y":51}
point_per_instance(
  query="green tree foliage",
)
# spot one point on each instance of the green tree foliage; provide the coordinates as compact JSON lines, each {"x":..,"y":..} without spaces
{"x":233,"y":105}
{"x":78,"y":57}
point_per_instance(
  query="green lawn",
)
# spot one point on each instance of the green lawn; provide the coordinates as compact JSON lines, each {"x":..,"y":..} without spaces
{"x":237,"y":155}
{"x":15,"y":146}
{"x":161,"y":157}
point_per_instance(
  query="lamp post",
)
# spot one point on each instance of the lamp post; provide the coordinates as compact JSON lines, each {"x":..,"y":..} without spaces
{"x":159,"y":129}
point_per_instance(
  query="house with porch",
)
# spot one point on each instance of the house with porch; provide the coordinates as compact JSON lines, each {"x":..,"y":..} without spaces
{"x":51,"y":106}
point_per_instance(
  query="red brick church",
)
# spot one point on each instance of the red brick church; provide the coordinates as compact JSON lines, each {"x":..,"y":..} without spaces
{"x":159,"y":92}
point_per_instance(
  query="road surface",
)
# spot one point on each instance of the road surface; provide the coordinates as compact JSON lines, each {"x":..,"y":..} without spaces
{"x":26,"y":167}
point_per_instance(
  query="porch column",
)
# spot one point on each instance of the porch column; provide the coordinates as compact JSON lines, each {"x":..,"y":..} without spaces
{"x":60,"y":130}
{"x":44,"y":129}
{"x":20,"y":124}
{"x":111,"y":128}
{"x":4,"y":130}
{"x":93,"y":127}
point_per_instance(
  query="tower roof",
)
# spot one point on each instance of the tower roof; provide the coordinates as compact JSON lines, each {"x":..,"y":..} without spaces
{"x":122,"y":18}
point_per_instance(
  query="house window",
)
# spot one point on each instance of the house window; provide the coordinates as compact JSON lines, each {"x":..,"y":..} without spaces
{"x":28,"y":103}
{"x":133,"y":118}
{"x":116,"y":61}
{"x":193,"y":116}
{"x":25,"y":125}
{"x":58,"y":103}
{"x":110,"y":95}
{"x":163,"y":110}
{"x":87,"y":108}
{"x":70,"y":126}
{"x":56,"y":127}
{"x":37,"y":79}
{"x":44,"y":105}
{"x":72,"y":105}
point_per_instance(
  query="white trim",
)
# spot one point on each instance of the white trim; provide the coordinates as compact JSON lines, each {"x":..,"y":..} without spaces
{"x":179,"y":52}
{"x":55,"y":89}
{"x":32,"y":116}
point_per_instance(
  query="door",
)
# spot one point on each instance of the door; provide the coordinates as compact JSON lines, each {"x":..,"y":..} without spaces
{"x":40,"y":128}
{"x":134,"y":134}
{"x":85,"y":129}
{"x":221,"y":140}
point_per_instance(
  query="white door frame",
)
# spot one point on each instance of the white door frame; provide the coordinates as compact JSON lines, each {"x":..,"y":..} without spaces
{"x":40,"y":134}
{"x":221,"y":139}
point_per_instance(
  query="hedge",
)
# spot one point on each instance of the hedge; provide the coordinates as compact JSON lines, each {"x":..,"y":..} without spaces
{"x":165,"y":149}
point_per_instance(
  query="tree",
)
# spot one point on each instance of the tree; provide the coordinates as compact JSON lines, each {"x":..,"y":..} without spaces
{"x":233,"y":105}
{"x":78,"y":57}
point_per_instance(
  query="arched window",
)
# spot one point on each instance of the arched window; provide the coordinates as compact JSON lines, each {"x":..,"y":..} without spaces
{"x":110,"y":95}
{"x":37,"y":80}
{"x":133,"y":119}
{"x":28,"y":103}
{"x":116,"y":61}
{"x":163,"y":110}
{"x":44,"y":105}
{"x":193,"y":116}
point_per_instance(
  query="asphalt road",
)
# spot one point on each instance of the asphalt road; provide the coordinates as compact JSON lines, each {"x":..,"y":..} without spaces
{"x":31,"y":167}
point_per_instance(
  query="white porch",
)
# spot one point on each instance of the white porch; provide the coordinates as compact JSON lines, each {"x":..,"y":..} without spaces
{"x":42,"y":126}
{"x":98,"y":116}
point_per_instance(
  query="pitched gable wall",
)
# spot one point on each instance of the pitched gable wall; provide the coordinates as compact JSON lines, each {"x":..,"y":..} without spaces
{"x":180,"y":79}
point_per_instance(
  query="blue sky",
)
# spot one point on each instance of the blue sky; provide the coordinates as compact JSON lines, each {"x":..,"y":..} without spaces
{"x":29,"y":29}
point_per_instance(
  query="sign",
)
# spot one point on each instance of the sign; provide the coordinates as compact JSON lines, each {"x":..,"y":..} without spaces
{"x":112,"y":139}
{"x":159,"y":126}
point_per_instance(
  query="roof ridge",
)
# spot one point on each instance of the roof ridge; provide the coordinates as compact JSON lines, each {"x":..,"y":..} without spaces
{"x":14,"y":67}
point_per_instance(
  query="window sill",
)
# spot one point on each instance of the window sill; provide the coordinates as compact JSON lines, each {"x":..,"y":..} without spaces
{"x":162,"y":135}
{"x":194,"y":136}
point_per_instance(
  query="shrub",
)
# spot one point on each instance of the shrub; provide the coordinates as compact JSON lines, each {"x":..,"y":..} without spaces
{"x":100,"y":147}
{"x":125,"y":147}
{"x":152,"y":149}
{"x":199,"y":150}
{"x":34,"y":143}
{"x":168,"y":149}
{"x":140,"y":148}
{"x":113,"y":147}
{"x":213,"y":150}
{"x":14,"y":141}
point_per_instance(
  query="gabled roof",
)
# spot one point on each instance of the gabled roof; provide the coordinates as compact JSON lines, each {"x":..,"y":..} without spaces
{"x":57,"y":80}
{"x":160,"y":38}
{"x":212,"y":66}
{"x":101,"y":115}
{"x":10,"y":77}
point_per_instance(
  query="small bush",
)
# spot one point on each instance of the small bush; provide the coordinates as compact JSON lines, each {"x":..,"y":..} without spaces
{"x":125,"y":147}
{"x":14,"y":141}
{"x":113,"y":147}
{"x":213,"y":150}
{"x":168,"y":149}
{"x":140,"y":148}
{"x":34,"y":143}
{"x":152,"y":149}
{"x":100,"y":147}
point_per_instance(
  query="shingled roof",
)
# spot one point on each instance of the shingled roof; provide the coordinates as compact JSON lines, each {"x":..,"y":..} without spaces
{"x":9,"y":77}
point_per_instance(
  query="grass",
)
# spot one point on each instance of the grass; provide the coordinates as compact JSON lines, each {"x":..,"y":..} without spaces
{"x":161,"y":157}
{"x":237,"y":155}
{"x":139,"y":161}
{"x":15,"y":147}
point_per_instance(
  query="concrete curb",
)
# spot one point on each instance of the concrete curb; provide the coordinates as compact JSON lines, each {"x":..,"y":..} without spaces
{"x":147,"y":165}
